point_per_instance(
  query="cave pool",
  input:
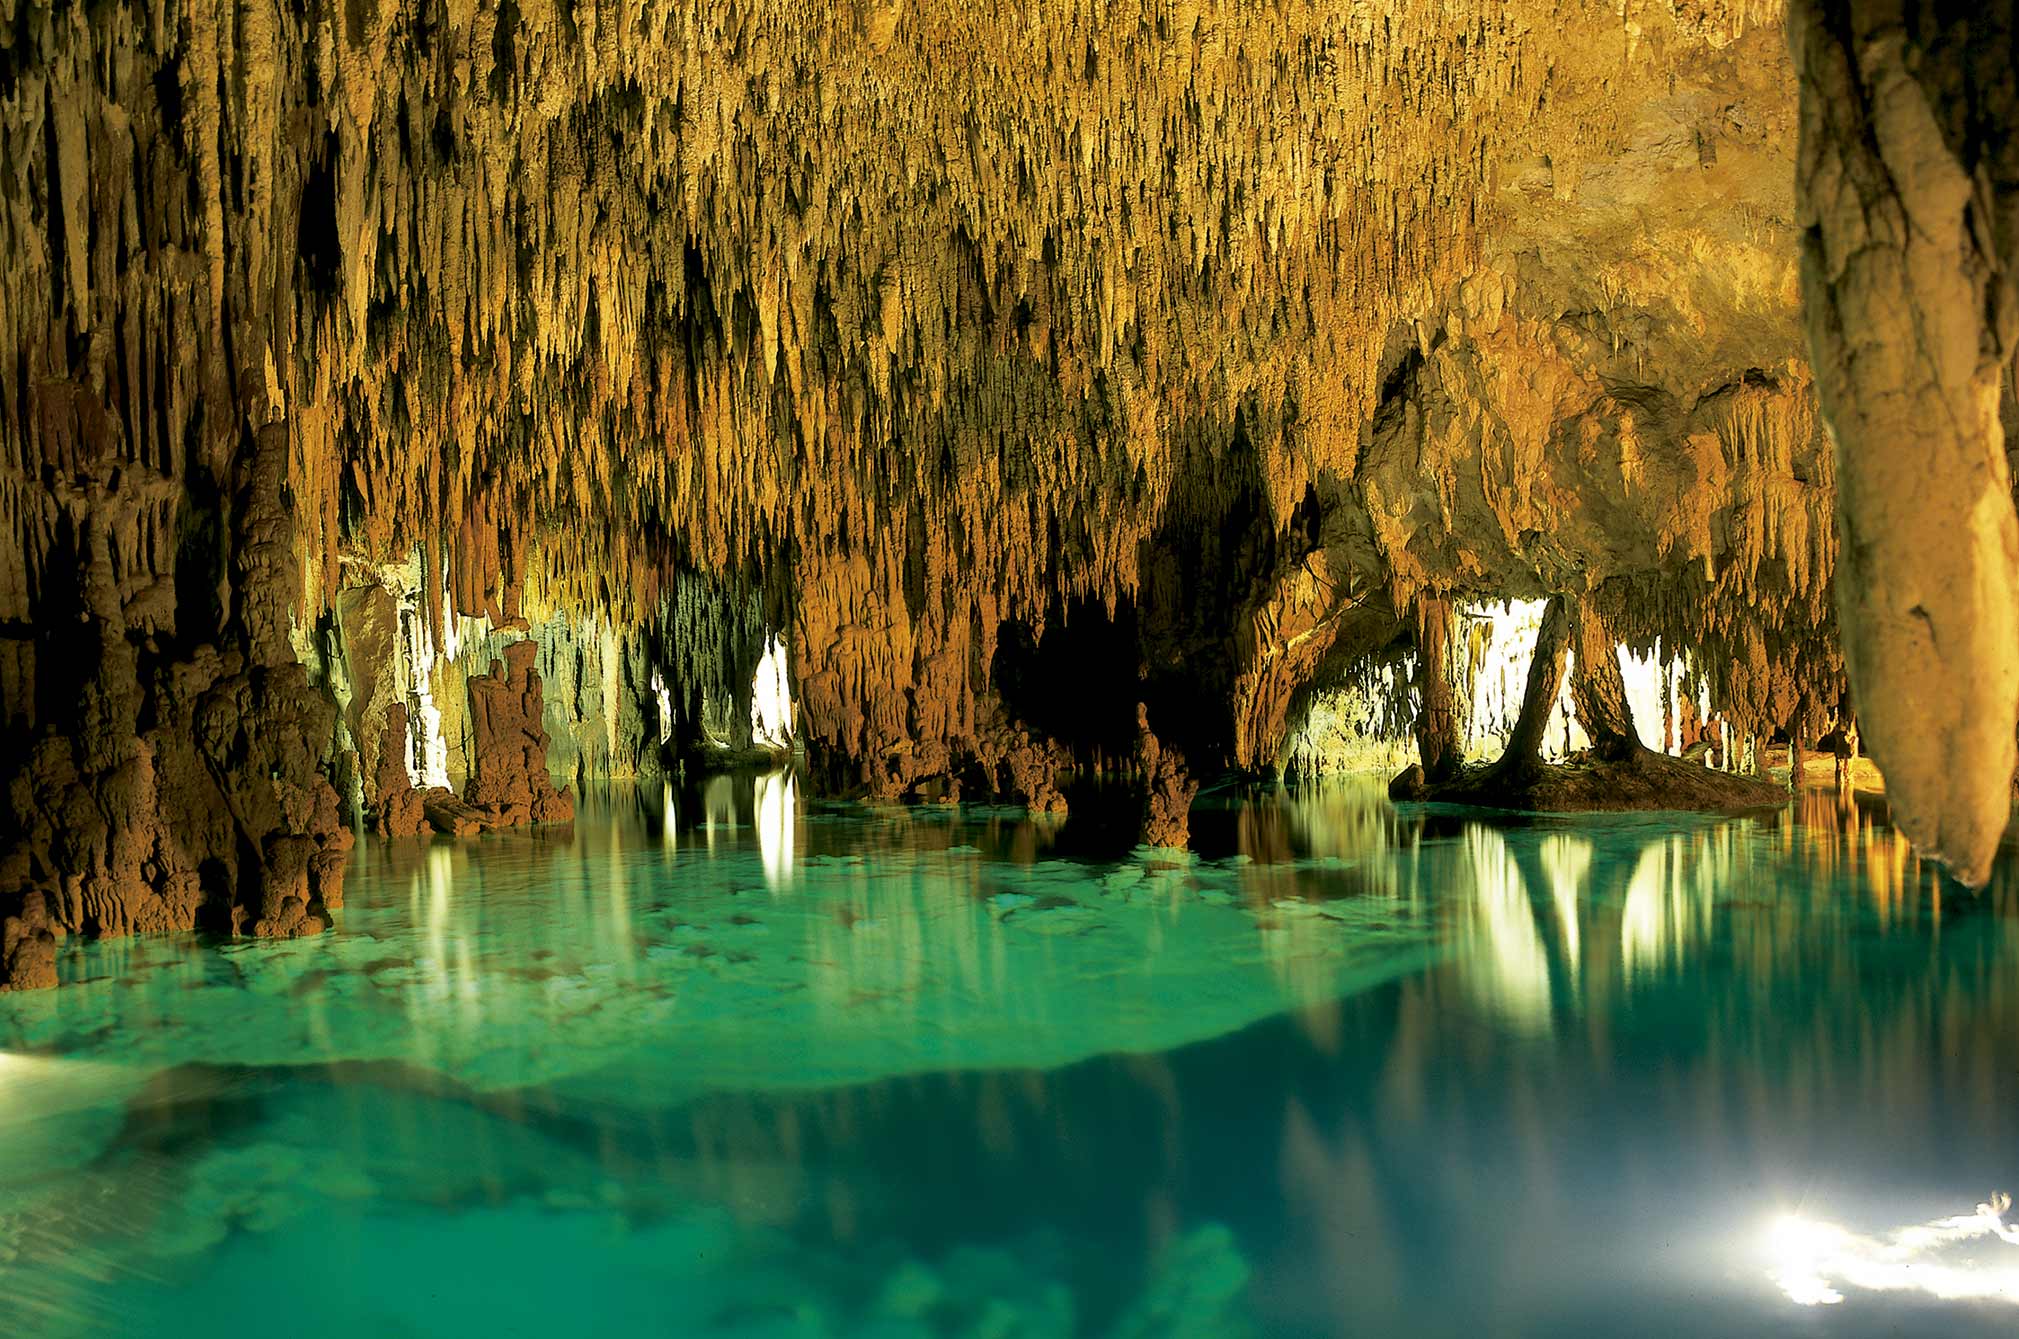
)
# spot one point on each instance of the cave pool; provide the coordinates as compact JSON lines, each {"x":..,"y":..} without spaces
{"x":718,"y":1061}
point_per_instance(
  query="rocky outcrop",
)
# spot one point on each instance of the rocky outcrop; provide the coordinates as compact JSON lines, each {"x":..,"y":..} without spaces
{"x":397,"y":809}
{"x":1909,"y":185}
{"x":448,"y":813}
{"x":165,"y":785}
{"x":28,"y":938}
{"x":1168,"y":788}
{"x":509,"y":784}
{"x":1021,"y":766}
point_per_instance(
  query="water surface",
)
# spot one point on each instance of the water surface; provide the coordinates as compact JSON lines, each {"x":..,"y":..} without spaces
{"x":723,"y":1063}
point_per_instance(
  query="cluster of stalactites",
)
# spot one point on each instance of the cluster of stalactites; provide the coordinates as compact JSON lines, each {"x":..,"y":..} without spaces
{"x":617,"y":281}
{"x":1757,"y":615}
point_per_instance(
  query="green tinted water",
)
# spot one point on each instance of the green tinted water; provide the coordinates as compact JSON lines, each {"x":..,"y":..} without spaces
{"x":720,"y":1063}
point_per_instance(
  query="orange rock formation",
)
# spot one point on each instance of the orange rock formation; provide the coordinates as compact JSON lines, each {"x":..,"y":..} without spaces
{"x":1213,"y":334}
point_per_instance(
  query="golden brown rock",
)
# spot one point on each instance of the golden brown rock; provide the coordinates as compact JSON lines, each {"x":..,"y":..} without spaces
{"x":397,"y":810}
{"x":448,"y":813}
{"x":509,"y":784}
{"x":1168,"y":788}
{"x":1909,"y":183}
{"x":903,"y":327}
{"x":1045,"y":275}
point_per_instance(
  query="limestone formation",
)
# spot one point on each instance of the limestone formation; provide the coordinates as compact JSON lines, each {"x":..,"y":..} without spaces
{"x":1615,"y":773}
{"x":1909,"y":184}
{"x":166,"y":775}
{"x":509,"y":784}
{"x":1169,"y":788}
{"x":617,"y":341}
{"x":397,"y":809}
{"x":1436,"y":715}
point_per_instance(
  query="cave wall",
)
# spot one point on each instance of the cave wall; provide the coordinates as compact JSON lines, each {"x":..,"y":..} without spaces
{"x":912,"y":324}
{"x":620,"y":701}
{"x":1615,"y":400}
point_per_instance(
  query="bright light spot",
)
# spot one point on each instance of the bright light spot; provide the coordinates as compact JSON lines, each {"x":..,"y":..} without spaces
{"x":771,"y":699}
{"x":777,"y":799}
{"x":1813,"y":1261}
{"x":670,"y":830}
{"x":665,"y":700}
{"x":1799,"y":1246}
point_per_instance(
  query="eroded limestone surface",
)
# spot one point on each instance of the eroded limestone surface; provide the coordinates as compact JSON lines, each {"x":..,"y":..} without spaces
{"x":1909,"y":179}
{"x":1209,"y":336}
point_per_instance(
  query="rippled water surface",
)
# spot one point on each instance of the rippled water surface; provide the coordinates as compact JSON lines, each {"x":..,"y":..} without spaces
{"x":721,"y":1063}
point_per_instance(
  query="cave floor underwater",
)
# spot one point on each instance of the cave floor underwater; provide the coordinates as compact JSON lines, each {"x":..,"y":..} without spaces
{"x":723,"y":1061}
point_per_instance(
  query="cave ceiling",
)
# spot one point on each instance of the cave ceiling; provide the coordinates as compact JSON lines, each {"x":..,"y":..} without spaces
{"x":1227,"y":332}
{"x":931,"y":315}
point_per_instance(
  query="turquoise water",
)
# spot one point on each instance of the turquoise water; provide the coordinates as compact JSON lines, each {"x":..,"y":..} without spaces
{"x":724,"y":1063}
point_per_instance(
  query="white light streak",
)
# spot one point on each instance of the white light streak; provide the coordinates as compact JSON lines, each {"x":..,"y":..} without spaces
{"x":1814,"y":1261}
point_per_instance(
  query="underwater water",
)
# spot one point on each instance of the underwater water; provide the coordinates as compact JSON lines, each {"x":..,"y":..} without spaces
{"x":720,"y":1062}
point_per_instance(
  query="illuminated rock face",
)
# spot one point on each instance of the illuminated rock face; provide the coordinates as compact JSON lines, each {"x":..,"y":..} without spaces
{"x":1204,"y":335}
{"x":1910,"y":200}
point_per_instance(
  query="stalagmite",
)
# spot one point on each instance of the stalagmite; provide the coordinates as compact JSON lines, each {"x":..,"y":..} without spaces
{"x":509,"y":784}
{"x":396,"y":808}
{"x":1909,"y":189}
{"x":1436,"y":722}
{"x":1538,"y":697}
{"x":1168,"y":788}
{"x":1597,"y":690}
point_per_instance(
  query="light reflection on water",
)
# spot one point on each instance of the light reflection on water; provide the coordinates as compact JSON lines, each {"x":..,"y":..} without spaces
{"x":1348,"y":1070}
{"x":1810,"y":1258}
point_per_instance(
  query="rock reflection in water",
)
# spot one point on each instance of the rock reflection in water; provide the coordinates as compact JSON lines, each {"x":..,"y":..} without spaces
{"x":1411,"y":1069}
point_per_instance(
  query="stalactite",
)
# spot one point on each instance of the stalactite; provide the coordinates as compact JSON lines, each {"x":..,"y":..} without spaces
{"x":572,"y":313}
{"x":888,"y":329}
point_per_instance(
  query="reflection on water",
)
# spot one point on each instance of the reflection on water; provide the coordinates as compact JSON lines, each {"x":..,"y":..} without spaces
{"x":730,"y":1062}
{"x":1510,"y":967}
{"x":777,"y":794}
{"x":1670,"y":900}
{"x":1566,"y":865}
{"x":1811,"y":1258}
